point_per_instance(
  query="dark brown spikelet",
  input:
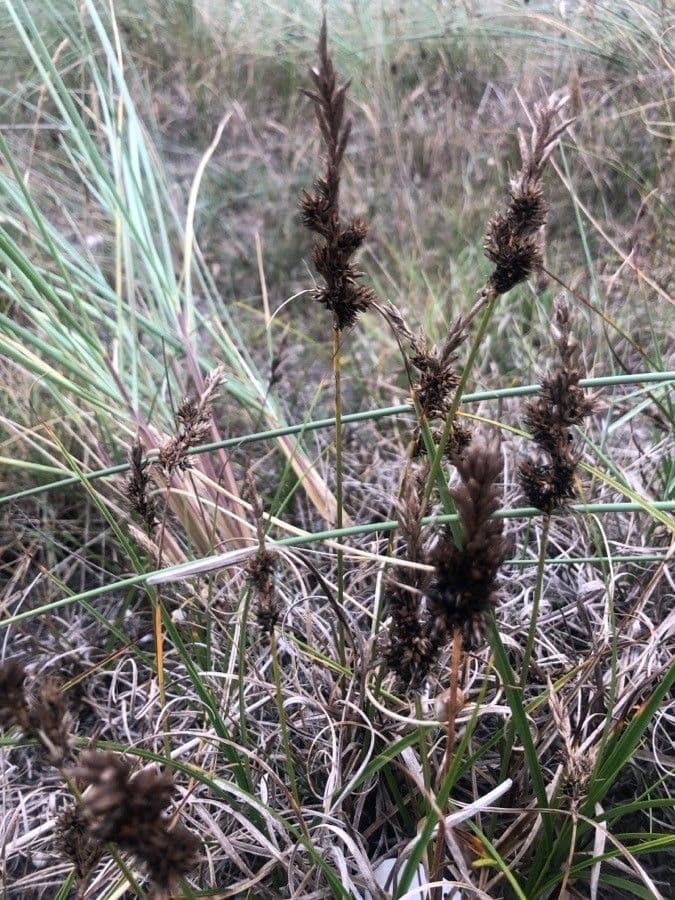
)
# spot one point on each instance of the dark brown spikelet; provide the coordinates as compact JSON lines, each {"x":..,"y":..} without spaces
{"x":137,"y":488}
{"x":74,"y":841}
{"x":560,"y":405}
{"x":260,"y":572}
{"x":132,"y":813}
{"x":342,"y":292}
{"x":13,"y":706}
{"x":513,"y":237}
{"x":436,"y":386}
{"x":50,"y":720}
{"x":192,"y":425}
{"x":39,"y":709}
{"x":411,"y":651}
{"x":463,"y":587}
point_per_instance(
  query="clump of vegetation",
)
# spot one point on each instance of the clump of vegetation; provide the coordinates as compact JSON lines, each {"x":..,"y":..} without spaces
{"x":294,"y":635}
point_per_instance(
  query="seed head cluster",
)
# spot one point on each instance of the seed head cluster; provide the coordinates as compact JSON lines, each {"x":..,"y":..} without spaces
{"x":342,"y":292}
{"x":410,"y":651}
{"x":38,"y":708}
{"x":132,"y":812}
{"x":463,"y":587}
{"x":561,"y":404}
{"x":138,"y":485}
{"x":192,"y":425}
{"x":513,"y":237}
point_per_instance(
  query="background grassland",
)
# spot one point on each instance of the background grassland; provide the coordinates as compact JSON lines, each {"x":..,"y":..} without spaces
{"x":110,"y":313}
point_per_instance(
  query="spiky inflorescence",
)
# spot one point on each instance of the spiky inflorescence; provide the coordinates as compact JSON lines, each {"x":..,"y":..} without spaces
{"x":550,"y":416}
{"x":39,"y":709}
{"x":73,"y":841}
{"x":411,"y":650}
{"x":260,"y":570}
{"x":137,"y":488}
{"x":436,"y":385}
{"x":192,"y":425}
{"x":513,"y":239}
{"x":13,"y":706}
{"x":463,"y":587}
{"x":132,"y":813}
{"x":342,"y":293}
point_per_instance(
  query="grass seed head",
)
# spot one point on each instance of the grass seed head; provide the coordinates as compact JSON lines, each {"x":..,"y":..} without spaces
{"x":342,"y":292}
{"x":131,"y":811}
{"x":463,"y":587}
{"x":137,"y":488}
{"x":561,"y":404}
{"x":74,"y":841}
{"x":513,"y":237}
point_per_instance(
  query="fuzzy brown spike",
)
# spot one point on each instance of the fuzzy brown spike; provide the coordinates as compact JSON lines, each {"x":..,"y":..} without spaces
{"x":13,"y":706}
{"x":75,"y":843}
{"x":513,"y":237}
{"x":192,"y":425}
{"x":137,"y":488}
{"x":342,"y":293}
{"x":463,"y":588}
{"x":132,"y":812}
{"x":410,"y":651}
{"x":561,"y":404}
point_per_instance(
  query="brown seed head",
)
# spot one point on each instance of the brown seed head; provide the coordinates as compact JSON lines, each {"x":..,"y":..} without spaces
{"x":550,"y":416}
{"x":463,"y":588}
{"x":513,"y":237}
{"x":342,"y":293}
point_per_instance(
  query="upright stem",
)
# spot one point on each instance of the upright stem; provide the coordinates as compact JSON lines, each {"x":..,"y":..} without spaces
{"x":536,"y":602}
{"x":436,"y":473}
{"x":337,"y":372}
{"x":449,"y":742}
{"x":285,"y":741}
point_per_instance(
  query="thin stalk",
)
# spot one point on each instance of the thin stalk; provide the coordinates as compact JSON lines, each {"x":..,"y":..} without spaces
{"x":283,"y":724}
{"x":436,"y":472}
{"x":536,"y":601}
{"x":450,"y":731}
{"x":337,"y":373}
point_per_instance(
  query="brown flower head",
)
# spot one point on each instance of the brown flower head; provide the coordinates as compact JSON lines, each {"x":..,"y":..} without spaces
{"x":137,"y":488}
{"x":560,"y":405}
{"x":132,"y":812}
{"x":410,"y":651}
{"x":192,"y":425}
{"x":513,"y":237}
{"x":13,"y":706}
{"x":463,"y":587}
{"x":342,"y":292}
{"x":75,"y":843}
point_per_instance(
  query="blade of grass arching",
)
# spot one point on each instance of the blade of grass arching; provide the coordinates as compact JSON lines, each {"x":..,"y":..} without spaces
{"x":626,"y":887}
{"x":650,"y":844}
{"x":365,"y":415}
{"x":513,"y":696}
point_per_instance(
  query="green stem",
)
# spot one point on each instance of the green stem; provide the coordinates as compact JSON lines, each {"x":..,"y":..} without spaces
{"x":536,"y":602}
{"x":283,"y":724}
{"x":318,"y":424}
{"x":436,"y":473}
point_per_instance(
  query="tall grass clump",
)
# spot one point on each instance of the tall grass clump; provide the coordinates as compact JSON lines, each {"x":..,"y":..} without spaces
{"x":339,"y":570}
